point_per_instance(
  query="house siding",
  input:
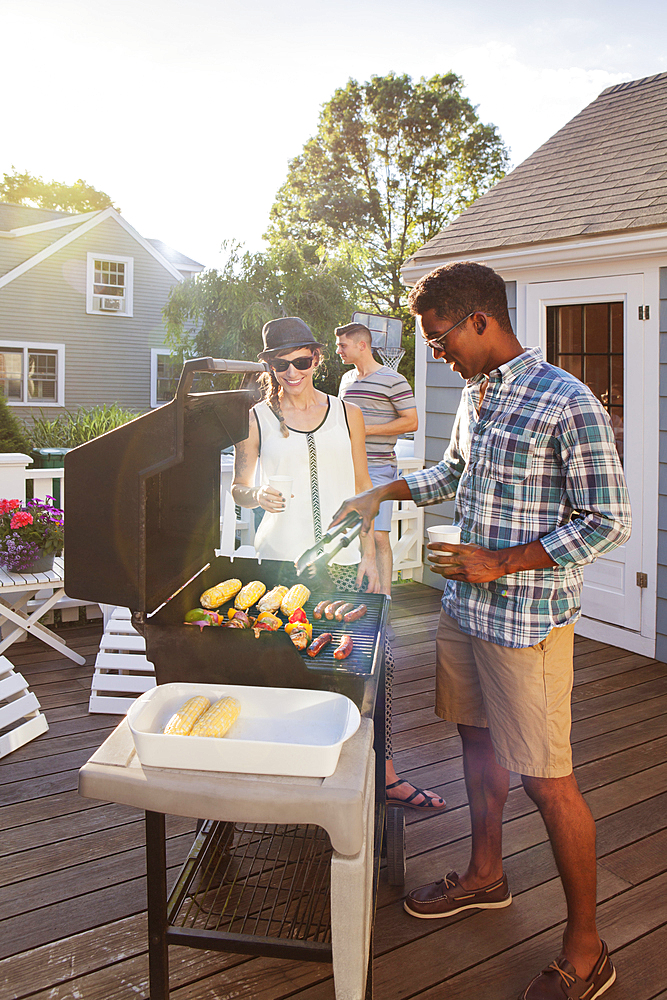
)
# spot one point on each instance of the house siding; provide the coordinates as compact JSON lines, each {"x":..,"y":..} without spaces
{"x":443,"y":392}
{"x":661,"y":610}
{"x":48,"y":304}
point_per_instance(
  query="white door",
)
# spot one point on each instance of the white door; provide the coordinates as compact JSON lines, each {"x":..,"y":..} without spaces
{"x":566,"y":319}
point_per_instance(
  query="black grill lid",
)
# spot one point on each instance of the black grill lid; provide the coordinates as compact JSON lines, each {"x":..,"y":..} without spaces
{"x":142,"y":502}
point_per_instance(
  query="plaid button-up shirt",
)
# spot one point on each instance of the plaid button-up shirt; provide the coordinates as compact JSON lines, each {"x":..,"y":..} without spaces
{"x":536,"y":460}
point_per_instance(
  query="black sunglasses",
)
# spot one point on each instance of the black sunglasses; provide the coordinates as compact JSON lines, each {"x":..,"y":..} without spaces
{"x":301,"y":364}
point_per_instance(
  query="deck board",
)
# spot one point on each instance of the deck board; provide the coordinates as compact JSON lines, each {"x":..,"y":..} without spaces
{"x":72,"y":892}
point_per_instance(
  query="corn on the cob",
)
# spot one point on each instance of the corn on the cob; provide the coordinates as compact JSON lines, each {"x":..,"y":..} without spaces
{"x":295,"y":598}
{"x":182,"y":721}
{"x":272,"y":600}
{"x":217,"y":719}
{"x":215,"y":596}
{"x":249,"y":595}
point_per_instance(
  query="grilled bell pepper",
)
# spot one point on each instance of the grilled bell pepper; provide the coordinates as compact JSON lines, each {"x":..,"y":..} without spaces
{"x":269,"y":621}
{"x":300,"y":633}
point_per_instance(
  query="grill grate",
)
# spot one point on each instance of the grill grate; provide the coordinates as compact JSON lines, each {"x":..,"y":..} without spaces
{"x":364,"y":634}
{"x":256,"y":879}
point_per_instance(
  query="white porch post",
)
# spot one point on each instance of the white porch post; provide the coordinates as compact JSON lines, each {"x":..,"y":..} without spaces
{"x":12,"y":475}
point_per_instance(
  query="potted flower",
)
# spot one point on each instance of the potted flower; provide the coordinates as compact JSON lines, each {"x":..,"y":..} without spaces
{"x":31,"y":534}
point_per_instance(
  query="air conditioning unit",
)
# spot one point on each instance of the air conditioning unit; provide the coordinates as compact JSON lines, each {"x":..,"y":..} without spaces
{"x":111,"y":304}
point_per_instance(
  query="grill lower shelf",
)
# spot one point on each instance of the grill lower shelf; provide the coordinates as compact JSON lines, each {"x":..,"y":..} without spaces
{"x":265,"y":881}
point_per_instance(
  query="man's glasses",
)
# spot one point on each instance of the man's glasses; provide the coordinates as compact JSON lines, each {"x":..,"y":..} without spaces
{"x":436,"y":342}
{"x":301,"y":364}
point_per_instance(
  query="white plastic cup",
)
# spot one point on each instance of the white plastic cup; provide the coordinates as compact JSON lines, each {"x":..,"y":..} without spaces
{"x":444,"y":533}
{"x":284,"y":485}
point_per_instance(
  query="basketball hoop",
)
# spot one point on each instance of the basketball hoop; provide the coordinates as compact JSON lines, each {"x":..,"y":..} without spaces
{"x":391,"y":357}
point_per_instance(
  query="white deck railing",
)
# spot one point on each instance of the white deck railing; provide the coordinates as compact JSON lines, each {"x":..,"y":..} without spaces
{"x":406,"y":535}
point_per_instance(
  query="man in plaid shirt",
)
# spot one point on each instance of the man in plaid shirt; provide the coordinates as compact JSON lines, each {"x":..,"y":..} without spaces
{"x":540,"y":493}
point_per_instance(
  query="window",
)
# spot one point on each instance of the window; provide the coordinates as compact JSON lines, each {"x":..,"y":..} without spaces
{"x":165,"y":373}
{"x":109,"y":285}
{"x":587,"y":341}
{"x":32,"y":374}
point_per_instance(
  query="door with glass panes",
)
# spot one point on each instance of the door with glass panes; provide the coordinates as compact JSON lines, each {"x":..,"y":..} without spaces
{"x":591,"y":328}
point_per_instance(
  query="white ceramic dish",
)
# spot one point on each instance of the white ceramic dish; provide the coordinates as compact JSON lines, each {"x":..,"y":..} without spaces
{"x":279,"y":731}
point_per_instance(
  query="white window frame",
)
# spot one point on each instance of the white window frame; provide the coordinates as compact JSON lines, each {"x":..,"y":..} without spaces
{"x":26,"y":346}
{"x":92,"y":300}
{"x":155,"y":353}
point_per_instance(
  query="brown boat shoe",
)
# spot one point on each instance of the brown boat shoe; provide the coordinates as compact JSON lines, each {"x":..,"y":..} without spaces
{"x":559,"y":981}
{"x":447,"y":896}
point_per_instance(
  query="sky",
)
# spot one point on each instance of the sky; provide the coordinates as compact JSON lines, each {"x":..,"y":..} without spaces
{"x":188,"y":113}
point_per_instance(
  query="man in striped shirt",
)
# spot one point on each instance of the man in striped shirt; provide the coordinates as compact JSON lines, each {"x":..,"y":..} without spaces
{"x":539,"y":493}
{"x":389,"y":408}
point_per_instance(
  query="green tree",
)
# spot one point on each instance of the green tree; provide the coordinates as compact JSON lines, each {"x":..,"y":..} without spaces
{"x":391,"y":164}
{"x":221,"y":313}
{"x":24,"y":189}
{"x":13,"y":437}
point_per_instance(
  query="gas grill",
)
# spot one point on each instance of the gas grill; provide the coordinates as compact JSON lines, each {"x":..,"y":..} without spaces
{"x":142,"y":529}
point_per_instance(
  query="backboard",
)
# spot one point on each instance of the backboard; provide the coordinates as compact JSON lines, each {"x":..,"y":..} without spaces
{"x":386,"y":331}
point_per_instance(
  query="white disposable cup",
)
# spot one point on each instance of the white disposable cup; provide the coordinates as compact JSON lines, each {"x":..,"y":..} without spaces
{"x":444,"y":533}
{"x":284,"y":485}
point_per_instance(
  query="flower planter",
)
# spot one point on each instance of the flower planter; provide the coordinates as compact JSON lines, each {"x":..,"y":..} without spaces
{"x":42,"y":564}
{"x":25,"y":532}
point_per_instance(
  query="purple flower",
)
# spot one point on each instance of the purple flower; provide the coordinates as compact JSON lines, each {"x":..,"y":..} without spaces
{"x":18,"y":554}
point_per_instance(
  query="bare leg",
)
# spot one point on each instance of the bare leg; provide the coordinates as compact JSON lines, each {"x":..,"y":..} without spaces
{"x":383,"y":558}
{"x":487,"y":784}
{"x":571,"y":830}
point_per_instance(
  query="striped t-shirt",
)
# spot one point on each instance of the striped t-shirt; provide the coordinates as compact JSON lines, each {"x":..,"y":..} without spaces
{"x":381,"y":397}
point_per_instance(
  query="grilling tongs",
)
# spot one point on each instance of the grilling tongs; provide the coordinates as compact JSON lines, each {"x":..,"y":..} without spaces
{"x":318,"y":555}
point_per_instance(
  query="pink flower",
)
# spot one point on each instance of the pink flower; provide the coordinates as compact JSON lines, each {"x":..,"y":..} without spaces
{"x":20,"y":519}
{"x":7,"y":505}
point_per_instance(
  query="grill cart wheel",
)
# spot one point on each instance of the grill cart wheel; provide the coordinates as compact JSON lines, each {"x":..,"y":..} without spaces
{"x":395,"y":845}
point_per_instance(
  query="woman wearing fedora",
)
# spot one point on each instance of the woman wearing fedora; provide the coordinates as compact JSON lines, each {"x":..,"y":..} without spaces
{"x":318,"y":441}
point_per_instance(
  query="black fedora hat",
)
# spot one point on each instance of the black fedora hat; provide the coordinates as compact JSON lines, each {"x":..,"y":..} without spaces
{"x":286,"y":334}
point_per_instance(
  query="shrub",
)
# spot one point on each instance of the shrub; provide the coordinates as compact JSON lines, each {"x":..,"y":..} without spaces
{"x":12,"y":434}
{"x":71,"y":429}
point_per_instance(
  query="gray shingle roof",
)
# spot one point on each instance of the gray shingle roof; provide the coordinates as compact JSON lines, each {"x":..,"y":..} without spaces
{"x":174,"y":257}
{"x":603,"y":172}
{"x":18,"y":216}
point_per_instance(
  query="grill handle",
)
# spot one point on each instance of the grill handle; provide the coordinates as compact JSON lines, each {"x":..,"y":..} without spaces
{"x":195,"y":365}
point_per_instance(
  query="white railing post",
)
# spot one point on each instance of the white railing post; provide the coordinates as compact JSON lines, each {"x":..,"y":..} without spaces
{"x":407,"y":530}
{"x":13,"y":466}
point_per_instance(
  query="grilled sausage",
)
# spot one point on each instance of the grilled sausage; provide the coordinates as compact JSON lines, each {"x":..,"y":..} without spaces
{"x":344,"y":648}
{"x":331,"y":609}
{"x":342,"y":610}
{"x":319,"y":610}
{"x":319,"y":643}
{"x":355,"y":614}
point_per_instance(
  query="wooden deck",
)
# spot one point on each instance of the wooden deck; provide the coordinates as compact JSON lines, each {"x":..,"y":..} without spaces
{"x":71,"y":884}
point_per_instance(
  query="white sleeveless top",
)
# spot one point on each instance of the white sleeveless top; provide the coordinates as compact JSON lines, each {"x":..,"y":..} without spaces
{"x":320,"y":464}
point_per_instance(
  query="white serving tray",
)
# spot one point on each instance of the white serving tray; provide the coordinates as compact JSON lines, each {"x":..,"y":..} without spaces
{"x":287,"y":731}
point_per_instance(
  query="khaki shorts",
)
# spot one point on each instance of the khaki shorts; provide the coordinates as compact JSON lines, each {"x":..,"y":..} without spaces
{"x":521,"y":695}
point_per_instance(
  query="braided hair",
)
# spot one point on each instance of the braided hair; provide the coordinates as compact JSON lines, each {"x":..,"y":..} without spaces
{"x":271,"y":395}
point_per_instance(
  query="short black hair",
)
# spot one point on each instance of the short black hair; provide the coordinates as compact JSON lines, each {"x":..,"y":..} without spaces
{"x":456,"y":289}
